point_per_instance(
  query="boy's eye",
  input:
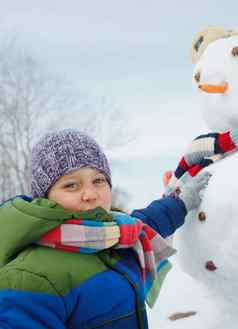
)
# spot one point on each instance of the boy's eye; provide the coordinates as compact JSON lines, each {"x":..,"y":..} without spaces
{"x":100,"y":180}
{"x":71,"y":186}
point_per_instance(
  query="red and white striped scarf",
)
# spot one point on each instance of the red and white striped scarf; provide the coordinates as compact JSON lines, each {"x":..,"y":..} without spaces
{"x":202,"y":152}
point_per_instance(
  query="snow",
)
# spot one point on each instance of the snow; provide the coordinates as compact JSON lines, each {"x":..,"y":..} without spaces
{"x":216,"y":238}
{"x":190,"y":286}
{"x":213,"y":295}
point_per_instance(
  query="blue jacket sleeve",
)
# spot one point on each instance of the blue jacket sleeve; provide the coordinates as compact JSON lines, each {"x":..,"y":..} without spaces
{"x":164,"y":215}
{"x":28,"y":309}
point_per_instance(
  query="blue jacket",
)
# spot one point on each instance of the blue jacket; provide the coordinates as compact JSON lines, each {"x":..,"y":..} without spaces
{"x":43,"y":288}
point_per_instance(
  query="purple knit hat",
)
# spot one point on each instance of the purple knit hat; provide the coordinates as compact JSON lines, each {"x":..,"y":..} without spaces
{"x":57,"y":154}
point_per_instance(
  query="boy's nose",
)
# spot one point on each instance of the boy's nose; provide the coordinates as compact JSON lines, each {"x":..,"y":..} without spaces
{"x":89,"y":194}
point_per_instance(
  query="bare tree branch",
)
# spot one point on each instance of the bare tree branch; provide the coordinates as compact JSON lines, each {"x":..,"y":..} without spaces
{"x":32,"y":101}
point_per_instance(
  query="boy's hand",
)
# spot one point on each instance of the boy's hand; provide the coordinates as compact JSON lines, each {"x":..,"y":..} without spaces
{"x":166,"y":177}
{"x":190,"y":192}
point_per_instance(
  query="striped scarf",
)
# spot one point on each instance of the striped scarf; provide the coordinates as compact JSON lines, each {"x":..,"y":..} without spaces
{"x":119,"y":230}
{"x":203,"y":151}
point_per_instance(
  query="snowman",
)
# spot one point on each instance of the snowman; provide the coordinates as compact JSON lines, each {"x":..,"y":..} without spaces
{"x":208,"y":242}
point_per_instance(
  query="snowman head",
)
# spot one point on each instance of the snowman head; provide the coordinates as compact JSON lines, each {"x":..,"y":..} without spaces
{"x":215,"y":77}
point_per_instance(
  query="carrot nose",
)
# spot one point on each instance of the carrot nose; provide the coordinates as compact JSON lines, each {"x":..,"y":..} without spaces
{"x":214,"y":89}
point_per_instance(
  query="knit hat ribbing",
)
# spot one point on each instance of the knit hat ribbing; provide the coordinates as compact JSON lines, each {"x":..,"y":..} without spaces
{"x":57,"y":154}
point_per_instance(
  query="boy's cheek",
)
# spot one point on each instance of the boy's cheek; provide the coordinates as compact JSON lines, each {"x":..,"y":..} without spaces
{"x":107,"y":201}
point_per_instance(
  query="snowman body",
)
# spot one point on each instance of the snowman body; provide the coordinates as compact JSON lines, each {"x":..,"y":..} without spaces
{"x":216,"y":238}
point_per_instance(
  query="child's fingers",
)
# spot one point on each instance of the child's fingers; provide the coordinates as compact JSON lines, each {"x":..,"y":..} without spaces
{"x":166,"y":177}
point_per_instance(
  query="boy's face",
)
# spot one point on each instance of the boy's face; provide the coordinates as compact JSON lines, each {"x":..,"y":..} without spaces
{"x":81,"y":190}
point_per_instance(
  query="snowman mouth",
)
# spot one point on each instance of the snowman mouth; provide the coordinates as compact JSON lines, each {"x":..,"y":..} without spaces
{"x":214,"y":89}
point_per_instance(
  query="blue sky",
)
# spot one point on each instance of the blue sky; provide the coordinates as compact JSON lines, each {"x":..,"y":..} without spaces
{"x":134,"y":52}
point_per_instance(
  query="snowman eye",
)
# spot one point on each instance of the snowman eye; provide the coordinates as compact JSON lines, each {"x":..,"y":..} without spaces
{"x":197,"y":77}
{"x":198,"y":43}
{"x":234,"y":51}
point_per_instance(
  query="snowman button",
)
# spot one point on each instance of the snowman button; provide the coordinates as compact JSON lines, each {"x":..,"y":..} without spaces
{"x":235,"y":51}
